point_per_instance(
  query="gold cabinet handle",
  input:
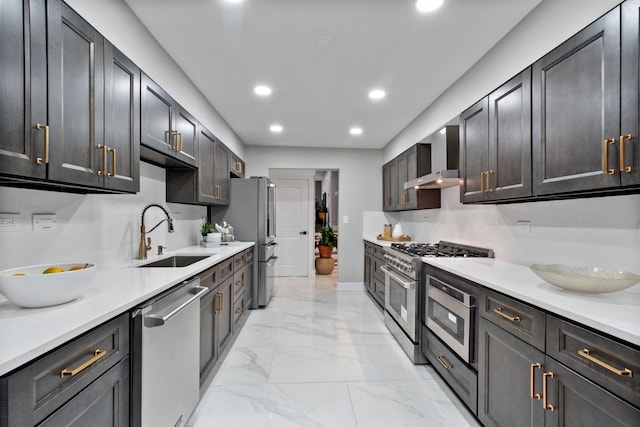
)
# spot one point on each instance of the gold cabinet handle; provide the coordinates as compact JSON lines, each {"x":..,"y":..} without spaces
{"x":488,"y":185}
{"x":103,"y":171}
{"x":546,"y":406}
{"x":605,"y":160}
{"x":240,"y":283}
{"x":179,"y":141}
{"x":220,"y":296}
{"x":45,"y":160}
{"x":623,"y":140}
{"x":380,"y":293}
{"x":587,"y":355}
{"x":239,"y":260}
{"x":443,"y":362}
{"x":482,"y":189}
{"x":501,"y":313}
{"x":532,"y":392}
{"x":113,"y":162}
{"x":97,"y":355}
{"x":239,"y":310}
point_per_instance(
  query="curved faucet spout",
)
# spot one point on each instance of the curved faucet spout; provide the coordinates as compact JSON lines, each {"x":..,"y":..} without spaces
{"x":146,"y":246}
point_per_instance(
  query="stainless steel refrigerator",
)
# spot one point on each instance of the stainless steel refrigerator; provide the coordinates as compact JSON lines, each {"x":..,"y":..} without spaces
{"x":252,"y":213}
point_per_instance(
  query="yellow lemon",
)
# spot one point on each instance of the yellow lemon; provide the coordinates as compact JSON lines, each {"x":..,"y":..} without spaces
{"x":18,"y":274}
{"x":77,"y":267}
{"x":53,"y":270}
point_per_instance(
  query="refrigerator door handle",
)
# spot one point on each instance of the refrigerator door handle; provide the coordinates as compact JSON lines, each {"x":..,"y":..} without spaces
{"x":272,"y":260}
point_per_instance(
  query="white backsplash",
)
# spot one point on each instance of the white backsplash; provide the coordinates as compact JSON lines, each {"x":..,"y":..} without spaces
{"x":600,"y":231}
{"x":99,"y":228}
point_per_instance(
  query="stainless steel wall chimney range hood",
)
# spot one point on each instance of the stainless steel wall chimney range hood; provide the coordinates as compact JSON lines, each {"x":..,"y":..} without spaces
{"x":445,"y":153}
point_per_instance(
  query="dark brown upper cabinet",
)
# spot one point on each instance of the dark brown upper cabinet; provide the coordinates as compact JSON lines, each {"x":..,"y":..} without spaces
{"x":576,"y":111}
{"x":389,"y":185}
{"x":236,"y":166}
{"x":221,"y":174}
{"x":169,"y":133}
{"x":55,"y":108}
{"x":629,"y":146}
{"x":496,"y":144}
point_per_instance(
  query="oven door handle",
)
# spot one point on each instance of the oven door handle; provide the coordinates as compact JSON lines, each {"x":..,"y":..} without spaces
{"x":406,"y":285}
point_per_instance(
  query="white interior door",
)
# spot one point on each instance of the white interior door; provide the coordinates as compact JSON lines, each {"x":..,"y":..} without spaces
{"x":292,"y":227}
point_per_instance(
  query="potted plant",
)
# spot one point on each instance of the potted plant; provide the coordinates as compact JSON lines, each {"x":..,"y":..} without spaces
{"x":321,"y":211}
{"x":206,"y":229}
{"x":328,"y":241}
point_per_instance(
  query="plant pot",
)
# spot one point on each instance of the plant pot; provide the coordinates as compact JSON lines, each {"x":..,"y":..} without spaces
{"x":322,"y":215}
{"x":325,"y":251}
{"x":324,"y":265}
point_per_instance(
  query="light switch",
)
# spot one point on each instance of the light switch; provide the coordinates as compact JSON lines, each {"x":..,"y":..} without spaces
{"x":44,"y":222}
{"x":345,"y":219}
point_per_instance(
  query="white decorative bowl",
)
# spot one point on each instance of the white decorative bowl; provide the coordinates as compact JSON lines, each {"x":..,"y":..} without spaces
{"x":592,"y":280}
{"x":35,"y":289}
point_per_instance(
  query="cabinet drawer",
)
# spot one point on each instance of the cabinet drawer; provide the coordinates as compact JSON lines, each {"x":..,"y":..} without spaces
{"x":36,"y":390}
{"x":239,"y":261}
{"x":209,"y":277}
{"x":238,"y":309}
{"x":377,"y":272}
{"x":225,"y":269}
{"x":239,"y":280}
{"x":249,"y":256}
{"x":566,"y":343}
{"x":378,"y":252}
{"x":461,"y":378}
{"x":522,"y":320}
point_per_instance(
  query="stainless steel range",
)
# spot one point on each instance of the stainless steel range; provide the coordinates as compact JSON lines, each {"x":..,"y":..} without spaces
{"x":404,"y":294}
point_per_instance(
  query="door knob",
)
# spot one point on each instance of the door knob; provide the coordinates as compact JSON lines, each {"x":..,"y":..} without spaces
{"x":303,"y":232}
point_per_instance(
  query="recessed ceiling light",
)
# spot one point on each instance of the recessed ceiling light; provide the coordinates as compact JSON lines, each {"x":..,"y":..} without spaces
{"x":428,"y":5}
{"x":275,"y":128}
{"x":355,"y":131}
{"x":262,"y":90}
{"x":233,"y":1}
{"x":377,"y":94}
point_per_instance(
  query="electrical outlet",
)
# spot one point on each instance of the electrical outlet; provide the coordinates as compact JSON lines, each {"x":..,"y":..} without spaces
{"x":523,"y":227}
{"x":44,"y":222}
{"x":9,"y":222}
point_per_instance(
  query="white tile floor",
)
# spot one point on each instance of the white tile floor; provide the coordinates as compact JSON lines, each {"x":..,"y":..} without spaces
{"x":320,"y":357}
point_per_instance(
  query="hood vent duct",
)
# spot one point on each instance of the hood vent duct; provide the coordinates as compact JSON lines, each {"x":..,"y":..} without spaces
{"x":445,"y":154}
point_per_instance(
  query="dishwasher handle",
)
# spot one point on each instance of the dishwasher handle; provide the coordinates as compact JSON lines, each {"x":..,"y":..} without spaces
{"x":153,"y":320}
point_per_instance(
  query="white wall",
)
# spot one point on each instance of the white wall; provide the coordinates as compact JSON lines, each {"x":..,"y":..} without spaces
{"x":96,"y":228}
{"x":115,"y":20}
{"x":360,"y":183}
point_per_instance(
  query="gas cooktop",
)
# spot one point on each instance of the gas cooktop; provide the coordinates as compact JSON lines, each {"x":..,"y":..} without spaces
{"x":442,"y":249}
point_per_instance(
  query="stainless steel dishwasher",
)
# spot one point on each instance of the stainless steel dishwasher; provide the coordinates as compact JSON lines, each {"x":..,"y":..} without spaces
{"x":166,"y":365}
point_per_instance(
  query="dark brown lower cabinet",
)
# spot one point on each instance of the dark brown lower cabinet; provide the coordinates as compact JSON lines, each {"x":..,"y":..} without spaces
{"x":208,"y":350}
{"x":506,"y":366}
{"x":224,"y":313}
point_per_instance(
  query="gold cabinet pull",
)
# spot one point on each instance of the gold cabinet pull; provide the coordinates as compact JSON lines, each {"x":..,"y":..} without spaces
{"x":605,"y":160}
{"x":220,"y":296}
{"x":532,"y":392}
{"x":443,"y":362}
{"x":501,"y":313}
{"x":482,"y":190}
{"x":179,"y":141}
{"x":380,"y":293}
{"x":97,"y":355}
{"x":239,"y":310}
{"x":104,"y":148}
{"x":546,"y":406}
{"x":623,"y":140}
{"x":587,"y":355}
{"x":488,"y":185}
{"x":240,"y":283}
{"x":113,"y":162}
{"x":45,"y":160}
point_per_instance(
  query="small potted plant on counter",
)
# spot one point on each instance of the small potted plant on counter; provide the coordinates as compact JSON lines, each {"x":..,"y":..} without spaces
{"x":206,"y":229}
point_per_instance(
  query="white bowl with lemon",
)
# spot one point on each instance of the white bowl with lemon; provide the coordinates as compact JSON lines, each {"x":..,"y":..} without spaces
{"x":45,"y":285}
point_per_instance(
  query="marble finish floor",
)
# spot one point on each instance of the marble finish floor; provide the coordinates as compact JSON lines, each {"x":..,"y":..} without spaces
{"x":321,"y":357}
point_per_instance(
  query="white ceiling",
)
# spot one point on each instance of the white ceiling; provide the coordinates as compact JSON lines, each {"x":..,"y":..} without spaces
{"x":319,"y":92}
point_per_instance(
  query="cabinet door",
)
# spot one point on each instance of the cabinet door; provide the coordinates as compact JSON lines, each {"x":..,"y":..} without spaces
{"x":248,"y":282}
{"x":576,"y":110}
{"x":474,"y":144}
{"x":104,"y":403}
{"x":221,"y":172}
{"x":405,"y":166}
{"x":504,"y":379}
{"x":224,"y":314}
{"x":389,"y":186}
{"x":156,"y":117}
{"x":236,"y":166}
{"x":206,"y":164}
{"x":187,"y":129}
{"x":76,"y":97}
{"x":122,"y":121}
{"x":509,"y":173}
{"x":23,"y":88}
{"x":629,"y":163}
{"x":368,"y":272}
{"x":208,"y":351}
{"x":578,"y":402}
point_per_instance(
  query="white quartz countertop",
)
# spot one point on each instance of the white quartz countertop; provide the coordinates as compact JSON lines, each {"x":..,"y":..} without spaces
{"x":616,"y":313}
{"x":26,"y":334}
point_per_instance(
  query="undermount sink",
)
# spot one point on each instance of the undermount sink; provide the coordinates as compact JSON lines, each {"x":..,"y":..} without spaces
{"x":176,"y":261}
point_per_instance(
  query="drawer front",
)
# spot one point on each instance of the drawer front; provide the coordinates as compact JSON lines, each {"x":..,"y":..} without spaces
{"x":239,"y":261}
{"x":567,"y":343}
{"x":238,"y":309}
{"x":378,"y":252}
{"x":461,"y":378}
{"x":377,"y":272}
{"x":209,"y":277}
{"x":239,"y":280}
{"x":522,"y":320}
{"x":225,"y":269}
{"x":39,"y":388}
{"x":249,"y":255}
{"x":368,"y":248}
{"x":379,"y":291}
